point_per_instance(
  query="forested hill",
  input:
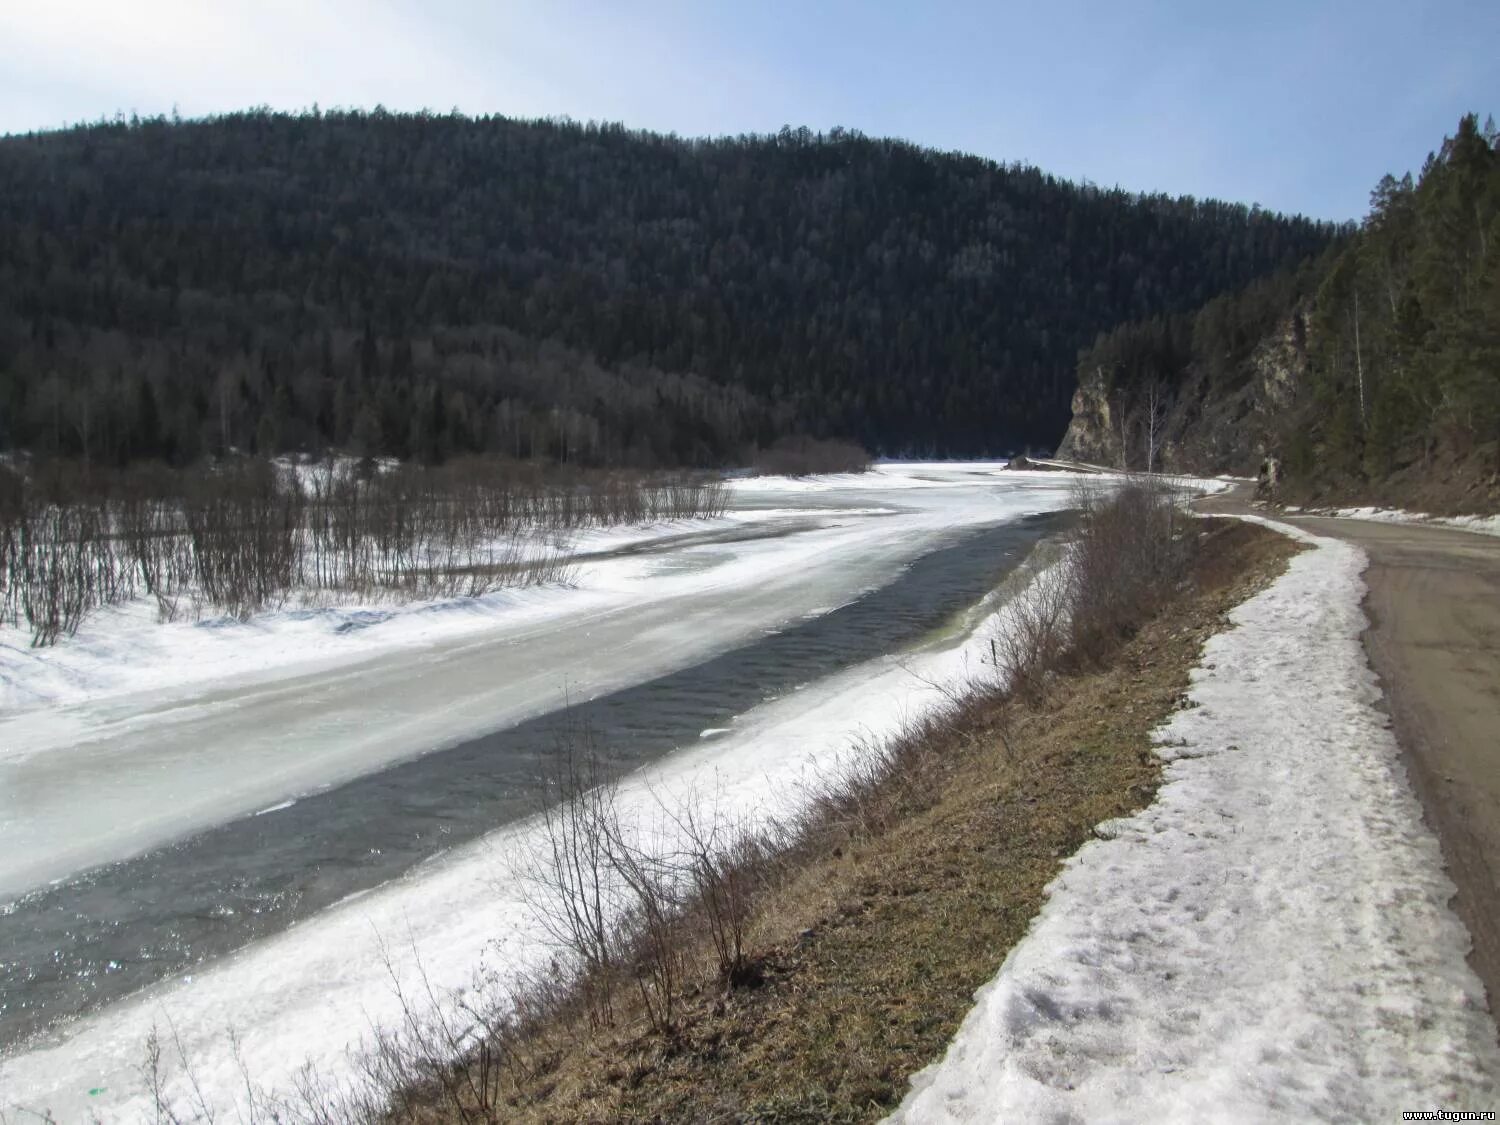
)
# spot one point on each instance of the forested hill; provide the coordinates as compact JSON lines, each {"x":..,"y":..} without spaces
{"x":1371,"y":372}
{"x":429,"y":285}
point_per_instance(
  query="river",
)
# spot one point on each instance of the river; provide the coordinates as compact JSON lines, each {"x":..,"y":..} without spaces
{"x":166,"y":841}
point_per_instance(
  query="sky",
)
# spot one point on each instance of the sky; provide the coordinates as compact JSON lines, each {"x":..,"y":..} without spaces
{"x":1298,"y":105}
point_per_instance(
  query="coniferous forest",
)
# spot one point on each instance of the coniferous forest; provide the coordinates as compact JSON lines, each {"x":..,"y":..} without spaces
{"x":426,"y":286}
{"x":1397,"y":330}
{"x":1405,"y":333}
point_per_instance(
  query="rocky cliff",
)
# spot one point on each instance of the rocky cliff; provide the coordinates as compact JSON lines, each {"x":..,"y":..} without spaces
{"x":1227,"y":422}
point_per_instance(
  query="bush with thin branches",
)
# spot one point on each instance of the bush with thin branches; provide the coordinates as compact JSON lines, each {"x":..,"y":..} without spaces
{"x":244,"y":535}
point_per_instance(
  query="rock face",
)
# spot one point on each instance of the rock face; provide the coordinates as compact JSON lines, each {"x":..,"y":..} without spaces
{"x":1228,"y":424}
{"x":1092,"y":436}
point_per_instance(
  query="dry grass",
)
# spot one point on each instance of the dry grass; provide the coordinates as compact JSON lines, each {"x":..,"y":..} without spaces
{"x":867,"y":945}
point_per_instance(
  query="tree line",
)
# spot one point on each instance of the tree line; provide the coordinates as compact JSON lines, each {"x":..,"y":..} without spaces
{"x":426,"y":286}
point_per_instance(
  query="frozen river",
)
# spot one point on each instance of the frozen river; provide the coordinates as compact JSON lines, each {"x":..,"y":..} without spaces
{"x":220,"y":825}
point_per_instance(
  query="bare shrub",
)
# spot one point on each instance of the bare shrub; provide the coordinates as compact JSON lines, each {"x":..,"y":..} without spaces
{"x":245,"y":535}
{"x":1132,"y":551}
{"x":725,"y":864}
{"x":626,"y":903}
{"x":569,"y":880}
{"x":154,"y":1073}
{"x":653,"y":929}
{"x":244,"y":527}
{"x":1129,"y":556}
{"x":416,"y":1057}
{"x":1036,"y":632}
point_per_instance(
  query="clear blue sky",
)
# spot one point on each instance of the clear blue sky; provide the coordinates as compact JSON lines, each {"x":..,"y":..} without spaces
{"x":1299,"y":106}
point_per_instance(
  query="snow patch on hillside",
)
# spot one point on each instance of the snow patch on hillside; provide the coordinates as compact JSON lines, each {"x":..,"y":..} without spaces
{"x":1270,"y":939}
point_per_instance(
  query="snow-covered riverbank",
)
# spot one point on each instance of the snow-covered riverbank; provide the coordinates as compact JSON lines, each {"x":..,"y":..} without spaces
{"x":1269,"y":940}
{"x":167,"y":757}
{"x":135,"y":733}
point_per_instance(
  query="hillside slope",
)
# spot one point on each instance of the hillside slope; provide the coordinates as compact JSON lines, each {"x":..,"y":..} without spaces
{"x":422,"y":285}
{"x":1369,"y":374}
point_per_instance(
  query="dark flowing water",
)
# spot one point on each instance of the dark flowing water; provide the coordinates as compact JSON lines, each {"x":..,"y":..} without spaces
{"x":107,"y":932}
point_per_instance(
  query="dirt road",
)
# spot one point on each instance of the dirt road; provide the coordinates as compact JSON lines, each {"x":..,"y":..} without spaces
{"x":1434,"y":641}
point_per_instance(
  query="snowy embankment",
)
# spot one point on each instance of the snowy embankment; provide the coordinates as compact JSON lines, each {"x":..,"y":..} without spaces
{"x":310,"y":996}
{"x":1270,"y":939}
{"x":134,"y":733}
{"x":1483,"y":525}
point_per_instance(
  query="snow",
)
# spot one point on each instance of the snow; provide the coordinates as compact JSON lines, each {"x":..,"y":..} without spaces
{"x":1269,"y":940}
{"x":1483,"y":525}
{"x":312,"y":994}
{"x":133,"y":761}
{"x":134,"y":733}
{"x":826,"y":482}
{"x":126,"y":649}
